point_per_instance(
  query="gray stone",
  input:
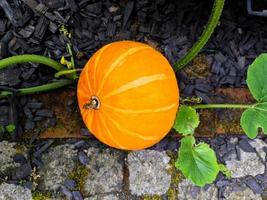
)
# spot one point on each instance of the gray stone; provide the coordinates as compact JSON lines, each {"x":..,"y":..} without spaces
{"x":249,"y":164}
{"x":188,"y":191}
{"x":148,"y":172}
{"x":103,"y":197}
{"x":7,"y":152}
{"x":58,"y":163}
{"x":240,"y":192}
{"x":14,"y":192}
{"x":259,"y":145}
{"x":105,"y":171}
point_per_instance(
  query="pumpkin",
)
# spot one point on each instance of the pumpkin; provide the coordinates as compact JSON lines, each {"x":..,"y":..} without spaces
{"x":128,"y":95}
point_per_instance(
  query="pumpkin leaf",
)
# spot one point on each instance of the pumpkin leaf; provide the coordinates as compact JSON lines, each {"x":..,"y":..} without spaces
{"x":255,"y":117}
{"x":187,"y":120}
{"x":257,"y":78}
{"x":197,"y":162}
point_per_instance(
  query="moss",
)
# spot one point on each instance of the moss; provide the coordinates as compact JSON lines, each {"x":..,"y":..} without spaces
{"x":199,"y":67}
{"x":41,"y":195}
{"x":176,"y":178}
{"x":79,"y":175}
{"x":172,"y":194}
{"x":154,"y":197}
{"x":20,"y":149}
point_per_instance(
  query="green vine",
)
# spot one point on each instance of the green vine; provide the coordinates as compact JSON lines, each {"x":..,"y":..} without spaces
{"x":38,"y":89}
{"x":19,"y":59}
{"x":211,"y":106}
{"x":212,"y":23}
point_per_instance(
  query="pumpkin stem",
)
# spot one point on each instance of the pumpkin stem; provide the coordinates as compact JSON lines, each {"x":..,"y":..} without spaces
{"x":93,"y":103}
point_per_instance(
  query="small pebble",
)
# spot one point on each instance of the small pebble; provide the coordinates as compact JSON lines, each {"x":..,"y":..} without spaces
{"x":77,"y":195}
{"x":222,"y":183}
{"x":245,"y":146}
{"x":19,"y":158}
{"x":83,"y":158}
{"x":253,"y":185}
{"x":23,"y":171}
{"x":70,"y":184}
{"x":68,"y":194}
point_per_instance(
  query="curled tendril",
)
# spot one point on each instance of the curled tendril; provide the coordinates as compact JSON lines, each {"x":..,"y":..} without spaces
{"x":191,"y":100}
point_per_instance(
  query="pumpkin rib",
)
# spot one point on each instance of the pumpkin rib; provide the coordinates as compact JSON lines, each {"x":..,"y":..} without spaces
{"x":143,"y":111}
{"x":97,"y":125}
{"x":115,"y":143}
{"x":96,"y":64}
{"x":82,"y":92}
{"x":89,"y":119}
{"x":131,"y":133}
{"x":88,"y":80}
{"x":84,"y":89}
{"x":147,"y":124}
{"x":118,"y":62}
{"x":137,"y":83}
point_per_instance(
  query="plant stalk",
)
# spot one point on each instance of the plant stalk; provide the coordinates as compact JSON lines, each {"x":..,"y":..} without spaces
{"x":211,"y":25}
{"x":37,"y":89}
{"x":31,"y":58}
{"x":212,"y":106}
{"x":66,"y":72}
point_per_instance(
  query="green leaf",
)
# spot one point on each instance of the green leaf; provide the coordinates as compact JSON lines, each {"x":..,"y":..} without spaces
{"x":257,"y":78}
{"x":198,"y":163}
{"x":10,"y":128}
{"x":254,"y":118}
{"x":187,"y":120}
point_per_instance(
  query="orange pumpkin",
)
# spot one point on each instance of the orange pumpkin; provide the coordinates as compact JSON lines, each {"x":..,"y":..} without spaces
{"x":128,"y":95}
